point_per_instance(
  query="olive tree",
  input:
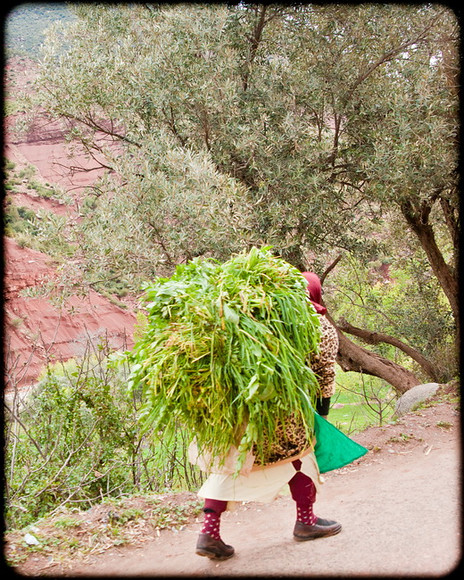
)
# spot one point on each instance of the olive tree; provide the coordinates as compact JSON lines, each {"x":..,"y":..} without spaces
{"x":311,"y":128}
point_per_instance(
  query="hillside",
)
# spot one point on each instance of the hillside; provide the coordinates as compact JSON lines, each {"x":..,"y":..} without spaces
{"x":36,"y":329}
{"x":399,"y":505}
{"x":26,"y":23}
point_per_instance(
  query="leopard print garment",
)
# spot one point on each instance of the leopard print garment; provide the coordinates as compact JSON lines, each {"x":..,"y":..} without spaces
{"x":323,"y":364}
{"x":292,"y":439}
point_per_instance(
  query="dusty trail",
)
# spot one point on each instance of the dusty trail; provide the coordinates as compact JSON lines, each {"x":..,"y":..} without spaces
{"x":399,"y":507}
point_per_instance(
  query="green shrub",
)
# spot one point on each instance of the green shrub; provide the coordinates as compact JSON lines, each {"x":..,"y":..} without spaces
{"x":76,"y":439}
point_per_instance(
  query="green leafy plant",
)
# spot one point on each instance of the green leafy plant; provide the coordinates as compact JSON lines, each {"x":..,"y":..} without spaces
{"x":76,"y":440}
{"x":444,"y":425}
{"x":225,"y":352}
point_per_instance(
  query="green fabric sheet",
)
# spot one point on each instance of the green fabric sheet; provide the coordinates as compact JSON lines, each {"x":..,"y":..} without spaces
{"x":333,"y":448}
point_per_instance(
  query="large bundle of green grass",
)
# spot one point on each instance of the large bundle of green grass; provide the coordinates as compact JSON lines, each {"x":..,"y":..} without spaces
{"x":225,"y":352}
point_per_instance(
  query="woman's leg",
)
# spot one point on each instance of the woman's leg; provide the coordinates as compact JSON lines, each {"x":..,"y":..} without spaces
{"x":303,"y":493}
{"x":308,"y":526}
{"x":323,"y":406}
{"x":209,"y":542}
{"x":213,"y":509}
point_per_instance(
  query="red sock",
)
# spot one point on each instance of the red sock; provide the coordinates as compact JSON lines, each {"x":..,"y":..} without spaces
{"x":211,"y":525}
{"x":305,"y":514}
{"x":213,"y":509}
{"x":304,"y":493}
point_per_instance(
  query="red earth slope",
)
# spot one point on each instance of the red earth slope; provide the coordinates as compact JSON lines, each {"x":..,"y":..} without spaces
{"x":37,"y":330}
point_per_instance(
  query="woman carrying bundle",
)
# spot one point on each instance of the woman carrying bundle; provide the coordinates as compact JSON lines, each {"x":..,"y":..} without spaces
{"x":291,"y":460}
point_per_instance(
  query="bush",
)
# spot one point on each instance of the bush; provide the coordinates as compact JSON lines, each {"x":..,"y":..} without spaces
{"x":19,"y":220}
{"x":75,"y":440}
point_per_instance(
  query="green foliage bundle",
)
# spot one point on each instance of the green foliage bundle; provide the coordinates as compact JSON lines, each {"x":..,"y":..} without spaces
{"x":225,"y":352}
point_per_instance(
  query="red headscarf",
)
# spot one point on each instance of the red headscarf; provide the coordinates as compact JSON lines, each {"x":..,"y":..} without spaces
{"x":315,"y":291}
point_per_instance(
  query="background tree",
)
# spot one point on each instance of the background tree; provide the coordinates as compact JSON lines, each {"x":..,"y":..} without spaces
{"x":310,"y":128}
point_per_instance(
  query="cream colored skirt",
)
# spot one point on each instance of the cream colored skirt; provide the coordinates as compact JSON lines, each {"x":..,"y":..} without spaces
{"x":262,"y":484}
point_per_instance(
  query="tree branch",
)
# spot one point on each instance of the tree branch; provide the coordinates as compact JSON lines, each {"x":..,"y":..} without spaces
{"x":330,"y":268}
{"x":371,"y":337}
{"x":255,"y":39}
{"x":389,"y":55}
{"x":24,"y":428}
{"x":426,"y":236}
{"x":159,"y":240}
{"x":352,"y":357}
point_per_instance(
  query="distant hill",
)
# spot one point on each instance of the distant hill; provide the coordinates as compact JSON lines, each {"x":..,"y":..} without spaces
{"x":24,"y":25}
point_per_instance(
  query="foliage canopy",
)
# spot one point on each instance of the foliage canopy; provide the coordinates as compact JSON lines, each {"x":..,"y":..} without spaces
{"x":327,"y":115}
{"x":314,"y":129}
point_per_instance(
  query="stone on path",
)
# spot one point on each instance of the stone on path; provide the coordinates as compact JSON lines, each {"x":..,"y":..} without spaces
{"x":413,"y":397}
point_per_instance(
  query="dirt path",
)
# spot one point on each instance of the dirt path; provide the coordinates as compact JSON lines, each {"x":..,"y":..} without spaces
{"x":399,"y":507}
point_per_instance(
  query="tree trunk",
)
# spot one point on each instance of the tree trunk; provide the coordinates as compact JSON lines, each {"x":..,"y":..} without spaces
{"x":418,"y":221}
{"x":352,"y":357}
{"x":419,"y":224}
{"x":379,"y":337}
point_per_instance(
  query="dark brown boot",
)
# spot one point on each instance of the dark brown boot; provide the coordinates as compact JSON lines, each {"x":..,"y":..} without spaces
{"x":214,"y":549}
{"x":322,"y":528}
